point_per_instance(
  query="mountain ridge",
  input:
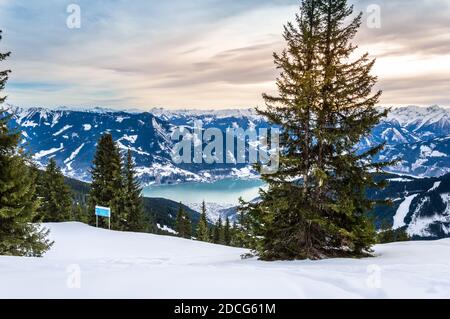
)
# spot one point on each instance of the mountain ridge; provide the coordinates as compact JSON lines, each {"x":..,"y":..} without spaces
{"x":417,"y":136}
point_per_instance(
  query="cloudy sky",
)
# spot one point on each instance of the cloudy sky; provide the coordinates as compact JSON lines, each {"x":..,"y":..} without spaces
{"x":202,"y":53}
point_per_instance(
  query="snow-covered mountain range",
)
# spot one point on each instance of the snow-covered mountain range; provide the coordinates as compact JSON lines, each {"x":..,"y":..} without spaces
{"x":419,"y":205}
{"x":418,"y":136}
{"x":70,"y":137}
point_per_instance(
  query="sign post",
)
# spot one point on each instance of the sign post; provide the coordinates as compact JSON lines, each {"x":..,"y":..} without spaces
{"x":103,"y":212}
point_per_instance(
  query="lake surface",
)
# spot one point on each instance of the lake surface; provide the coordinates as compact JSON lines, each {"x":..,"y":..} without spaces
{"x":226,"y":191}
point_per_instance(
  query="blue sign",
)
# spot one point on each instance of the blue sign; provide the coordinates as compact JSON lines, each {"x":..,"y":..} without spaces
{"x":103,"y":211}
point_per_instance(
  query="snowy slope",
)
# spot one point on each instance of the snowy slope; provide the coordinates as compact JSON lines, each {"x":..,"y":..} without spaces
{"x":420,"y":205}
{"x":128,"y":265}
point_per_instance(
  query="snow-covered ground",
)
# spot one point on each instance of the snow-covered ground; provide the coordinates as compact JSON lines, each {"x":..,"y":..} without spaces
{"x":89,"y":263}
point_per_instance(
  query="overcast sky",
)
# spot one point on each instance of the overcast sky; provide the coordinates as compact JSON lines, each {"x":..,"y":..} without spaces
{"x":202,"y":53}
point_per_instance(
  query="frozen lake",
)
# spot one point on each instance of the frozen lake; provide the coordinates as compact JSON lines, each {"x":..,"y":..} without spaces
{"x":226,"y":191}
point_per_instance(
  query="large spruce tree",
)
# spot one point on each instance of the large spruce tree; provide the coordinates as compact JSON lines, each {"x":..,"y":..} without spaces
{"x":316,"y":204}
{"x":107,"y":187}
{"x":18,"y":203}
{"x":55,"y":196}
{"x":132,"y":197}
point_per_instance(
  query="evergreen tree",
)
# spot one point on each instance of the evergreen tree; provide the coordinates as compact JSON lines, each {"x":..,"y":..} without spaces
{"x":80,"y":213}
{"x":179,"y":222}
{"x":202,"y":227}
{"x":238,"y":237}
{"x":55,"y":196}
{"x":234,"y":235}
{"x":150,"y":225}
{"x":218,"y":234}
{"x":389,"y":235}
{"x":227,"y":233}
{"x":18,"y":203}
{"x":242,"y":233}
{"x":316,"y":204}
{"x":183,"y":225}
{"x":132,"y":201}
{"x":107,"y":183}
{"x":188,"y":226}
{"x":212,"y":231}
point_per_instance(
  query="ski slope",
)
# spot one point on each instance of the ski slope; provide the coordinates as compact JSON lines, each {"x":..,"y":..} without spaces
{"x":90,"y":263}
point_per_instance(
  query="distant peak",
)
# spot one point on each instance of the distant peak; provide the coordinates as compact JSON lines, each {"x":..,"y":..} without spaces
{"x":218,"y":113}
{"x":434,"y":108}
